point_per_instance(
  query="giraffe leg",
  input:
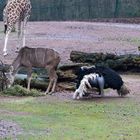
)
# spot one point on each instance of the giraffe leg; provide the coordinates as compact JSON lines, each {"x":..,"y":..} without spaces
{"x":23,"y":36}
{"x":5,"y":44}
{"x":26,"y":18}
{"x":24,"y":30}
{"x":8,"y":31}
{"x":19,"y":36}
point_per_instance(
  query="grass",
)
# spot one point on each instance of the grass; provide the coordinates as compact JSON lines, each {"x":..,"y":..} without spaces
{"x":46,"y":118}
{"x":18,"y":90}
{"x":132,"y":41}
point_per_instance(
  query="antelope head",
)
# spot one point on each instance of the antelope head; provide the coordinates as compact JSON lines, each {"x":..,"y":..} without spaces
{"x":10,"y":76}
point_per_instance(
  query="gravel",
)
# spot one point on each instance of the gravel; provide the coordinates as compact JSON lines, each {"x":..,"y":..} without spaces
{"x":9,"y":130}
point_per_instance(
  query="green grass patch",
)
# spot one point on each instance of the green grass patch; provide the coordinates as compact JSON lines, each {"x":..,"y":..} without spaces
{"x":45,"y":118}
{"x":18,"y":90}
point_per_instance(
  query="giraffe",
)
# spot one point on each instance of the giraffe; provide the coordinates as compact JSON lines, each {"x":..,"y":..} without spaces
{"x":14,"y":12}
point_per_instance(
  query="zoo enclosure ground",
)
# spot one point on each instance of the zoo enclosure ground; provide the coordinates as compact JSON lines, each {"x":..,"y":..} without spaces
{"x":88,"y":37}
{"x":83,"y":36}
{"x":59,"y":117}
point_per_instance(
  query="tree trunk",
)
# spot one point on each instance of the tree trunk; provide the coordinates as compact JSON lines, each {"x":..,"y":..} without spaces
{"x":67,"y":73}
{"x":128,"y":62}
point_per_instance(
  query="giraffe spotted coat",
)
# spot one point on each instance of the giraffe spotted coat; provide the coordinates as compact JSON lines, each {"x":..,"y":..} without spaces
{"x":14,"y":12}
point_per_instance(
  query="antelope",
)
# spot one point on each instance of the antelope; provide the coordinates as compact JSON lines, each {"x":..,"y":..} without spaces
{"x":39,"y":58}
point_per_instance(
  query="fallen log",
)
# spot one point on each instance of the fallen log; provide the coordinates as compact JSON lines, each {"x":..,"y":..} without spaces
{"x":66,"y":77}
{"x":66,"y":72}
{"x":128,"y":62}
{"x":41,"y":85}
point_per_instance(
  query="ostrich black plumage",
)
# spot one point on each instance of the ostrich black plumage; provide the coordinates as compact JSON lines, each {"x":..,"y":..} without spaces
{"x":111,"y":79}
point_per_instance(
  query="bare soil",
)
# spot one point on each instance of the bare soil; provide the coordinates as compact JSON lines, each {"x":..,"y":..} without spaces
{"x":81,"y":36}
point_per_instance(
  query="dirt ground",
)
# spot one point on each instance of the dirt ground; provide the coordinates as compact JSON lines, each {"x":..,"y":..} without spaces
{"x":81,"y":36}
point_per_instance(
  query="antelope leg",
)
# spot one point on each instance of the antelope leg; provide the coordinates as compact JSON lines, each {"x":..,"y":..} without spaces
{"x":29,"y":78}
{"x":54,"y":85}
{"x":49,"y":87}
